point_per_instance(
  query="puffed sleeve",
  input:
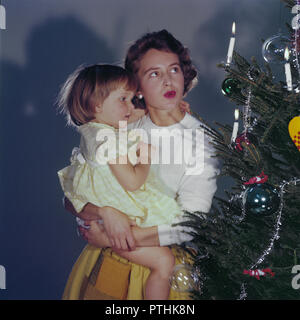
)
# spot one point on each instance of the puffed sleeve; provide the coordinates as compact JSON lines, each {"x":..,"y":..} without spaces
{"x":68,"y":179}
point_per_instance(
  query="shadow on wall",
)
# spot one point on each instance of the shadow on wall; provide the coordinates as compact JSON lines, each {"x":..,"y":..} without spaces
{"x":38,"y":239}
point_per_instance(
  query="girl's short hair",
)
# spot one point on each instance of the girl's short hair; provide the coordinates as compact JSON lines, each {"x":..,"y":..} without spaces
{"x":163,"y":41}
{"x":89,"y":86}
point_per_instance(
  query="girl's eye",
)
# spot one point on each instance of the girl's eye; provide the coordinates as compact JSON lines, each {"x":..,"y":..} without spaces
{"x":175,"y":70}
{"x":123,"y":99}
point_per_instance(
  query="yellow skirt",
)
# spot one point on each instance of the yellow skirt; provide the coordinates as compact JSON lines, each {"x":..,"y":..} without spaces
{"x":86,"y":282}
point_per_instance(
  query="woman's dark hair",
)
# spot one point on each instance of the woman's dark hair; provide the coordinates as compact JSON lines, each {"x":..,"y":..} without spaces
{"x":163,"y":41}
{"x":88,"y":86}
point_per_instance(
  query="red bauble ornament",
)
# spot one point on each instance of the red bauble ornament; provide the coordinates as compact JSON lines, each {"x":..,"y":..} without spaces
{"x":262,"y":178}
{"x":247,"y":138}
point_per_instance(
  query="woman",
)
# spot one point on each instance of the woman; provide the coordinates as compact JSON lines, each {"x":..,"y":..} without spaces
{"x":165,"y":74}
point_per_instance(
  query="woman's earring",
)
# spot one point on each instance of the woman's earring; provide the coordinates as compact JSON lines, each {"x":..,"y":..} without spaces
{"x":140,"y":96}
{"x":98,"y":109}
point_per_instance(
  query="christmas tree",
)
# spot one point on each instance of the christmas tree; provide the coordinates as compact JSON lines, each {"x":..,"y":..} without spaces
{"x":248,"y":244}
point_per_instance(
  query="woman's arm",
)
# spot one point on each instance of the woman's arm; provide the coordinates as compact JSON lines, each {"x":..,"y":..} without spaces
{"x":156,"y":236}
{"x":142,"y":237}
{"x":199,"y":185}
{"x":96,"y":236}
{"x":89,"y":211}
{"x":161,"y":235}
{"x":116,"y":223}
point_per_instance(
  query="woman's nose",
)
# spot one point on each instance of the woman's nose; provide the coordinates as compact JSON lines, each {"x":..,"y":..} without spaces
{"x":167,"y":80}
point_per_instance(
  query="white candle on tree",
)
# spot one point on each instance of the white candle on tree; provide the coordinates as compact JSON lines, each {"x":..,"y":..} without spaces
{"x":287,"y":67}
{"x":235,"y":125}
{"x":231,"y":45}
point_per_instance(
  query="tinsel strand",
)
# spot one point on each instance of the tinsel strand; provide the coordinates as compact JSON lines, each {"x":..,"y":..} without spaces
{"x":247,"y":111}
{"x":296,"y":47}
{"x":276,"y":236}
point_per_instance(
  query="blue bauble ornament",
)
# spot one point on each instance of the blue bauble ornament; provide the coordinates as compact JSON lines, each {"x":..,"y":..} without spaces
{"x":261,"y":199}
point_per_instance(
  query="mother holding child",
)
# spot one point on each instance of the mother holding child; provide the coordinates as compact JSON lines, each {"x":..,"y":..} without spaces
{"x":129,"y":205}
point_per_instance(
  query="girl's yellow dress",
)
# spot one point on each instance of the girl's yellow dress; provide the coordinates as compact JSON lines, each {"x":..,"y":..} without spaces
{"x":89,"y":179}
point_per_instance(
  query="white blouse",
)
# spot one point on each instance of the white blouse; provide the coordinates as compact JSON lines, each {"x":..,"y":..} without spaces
{"x":186,"y":167}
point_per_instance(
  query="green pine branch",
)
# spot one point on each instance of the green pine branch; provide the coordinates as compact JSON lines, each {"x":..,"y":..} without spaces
{"x":228,"y":240}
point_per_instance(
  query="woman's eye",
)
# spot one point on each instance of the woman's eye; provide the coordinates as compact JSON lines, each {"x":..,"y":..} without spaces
{"x":123,"y":99}
{"x":175,"y":70}
{"x":154,"y":74}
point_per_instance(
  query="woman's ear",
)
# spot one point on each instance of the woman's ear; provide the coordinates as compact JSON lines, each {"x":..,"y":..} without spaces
{"x":98,"y":109}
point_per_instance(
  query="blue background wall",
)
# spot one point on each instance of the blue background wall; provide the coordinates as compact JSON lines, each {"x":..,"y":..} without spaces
{"x":45,"y":41}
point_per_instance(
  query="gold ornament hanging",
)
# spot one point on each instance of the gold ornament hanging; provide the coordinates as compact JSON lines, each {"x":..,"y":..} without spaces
{"x":294,"y":130}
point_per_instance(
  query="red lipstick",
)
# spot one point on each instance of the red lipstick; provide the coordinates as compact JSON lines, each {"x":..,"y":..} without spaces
{"x":170,"y":94}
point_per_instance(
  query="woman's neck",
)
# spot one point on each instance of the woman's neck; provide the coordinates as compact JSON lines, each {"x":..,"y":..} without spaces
{"x":165,"y":118}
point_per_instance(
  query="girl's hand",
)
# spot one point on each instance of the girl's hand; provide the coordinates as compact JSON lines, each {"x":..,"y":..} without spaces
{"x":136,"y":115}
{"x":185,"y":106}
{"x":117,"y":226}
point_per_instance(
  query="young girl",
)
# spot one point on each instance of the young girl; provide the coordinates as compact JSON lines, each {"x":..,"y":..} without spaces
{"x":96,"y":99}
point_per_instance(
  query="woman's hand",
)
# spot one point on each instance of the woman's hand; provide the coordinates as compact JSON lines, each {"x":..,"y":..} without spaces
{"x":95,"y":235}
{"x":118,"y":228}
{"x":185,"y":106}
